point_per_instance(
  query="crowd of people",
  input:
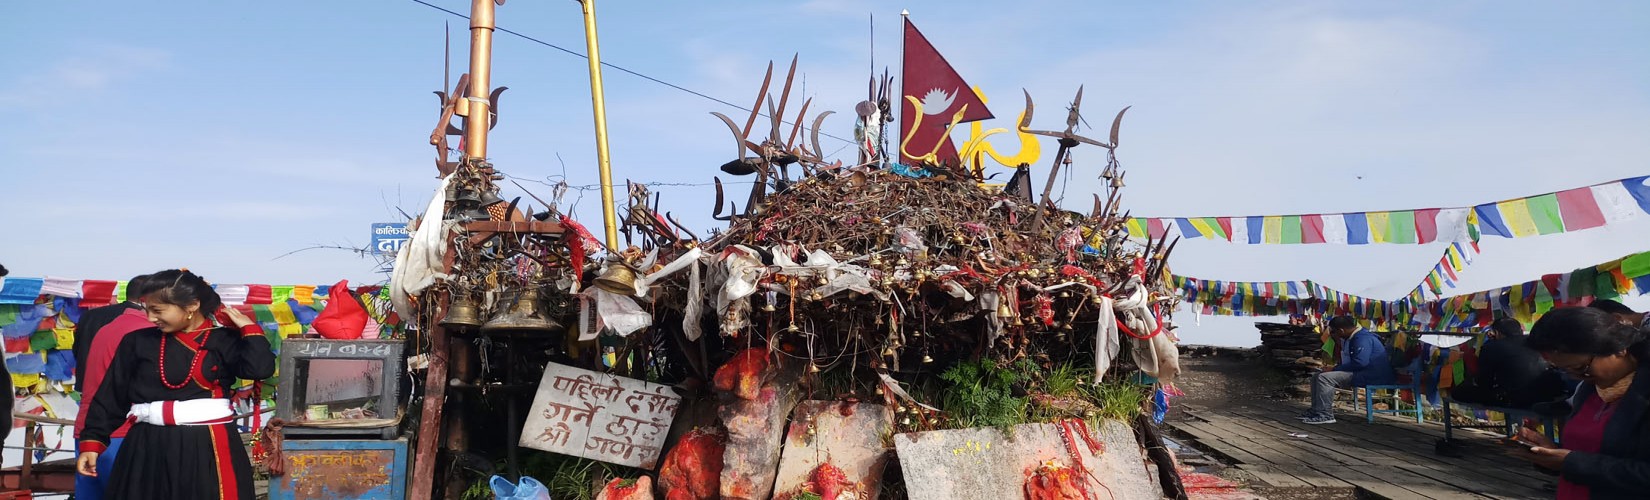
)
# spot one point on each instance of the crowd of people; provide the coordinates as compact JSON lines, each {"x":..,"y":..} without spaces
{"x":1581,"y":364}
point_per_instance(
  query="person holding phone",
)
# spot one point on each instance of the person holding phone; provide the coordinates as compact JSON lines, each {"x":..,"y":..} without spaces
{"x":1606,"y":442}
{"x":173,"y":381}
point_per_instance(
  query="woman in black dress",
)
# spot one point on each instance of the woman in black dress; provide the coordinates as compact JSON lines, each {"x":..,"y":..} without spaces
{"x":175,"y":381}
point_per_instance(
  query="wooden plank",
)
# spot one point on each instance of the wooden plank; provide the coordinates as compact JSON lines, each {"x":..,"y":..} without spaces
{"x":1377,"y":486}
{"x":1234,"y":452}
{"x":1314,"y":476}
{"x":1272,"y":476}
{"x":1469,"y":482}
{"x":1414,"y":449}
{"x":1303,"y":445}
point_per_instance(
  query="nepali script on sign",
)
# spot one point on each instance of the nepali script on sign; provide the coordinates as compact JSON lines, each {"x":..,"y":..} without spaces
{"x":600,"y":417}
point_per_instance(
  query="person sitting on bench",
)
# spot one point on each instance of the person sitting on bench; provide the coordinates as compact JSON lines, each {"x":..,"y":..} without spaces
{"x":1364,"y":362}
{"x":1510,"y":375}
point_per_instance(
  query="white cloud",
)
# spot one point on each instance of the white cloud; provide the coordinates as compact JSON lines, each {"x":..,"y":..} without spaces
{"x":85,"y":71}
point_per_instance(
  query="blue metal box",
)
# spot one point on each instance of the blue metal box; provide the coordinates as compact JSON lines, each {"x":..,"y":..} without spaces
{"x":368,"y":469}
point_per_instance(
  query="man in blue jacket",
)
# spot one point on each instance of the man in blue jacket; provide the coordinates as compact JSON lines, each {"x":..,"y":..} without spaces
{"x":1363,"y":362}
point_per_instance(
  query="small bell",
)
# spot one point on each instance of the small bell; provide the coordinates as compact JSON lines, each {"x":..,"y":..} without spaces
{"x":793,"y":328}
{"x":1090,"y":414}
{"x":905,"y":421}
{"x":768,"y":307}
{"x":812,"y":368}
{"x":926,"y":359}
{"x":889,"y":352}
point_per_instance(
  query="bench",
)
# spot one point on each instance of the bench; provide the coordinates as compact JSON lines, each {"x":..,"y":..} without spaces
{"x":1414,"y":386}
{"x":1512,"y":419}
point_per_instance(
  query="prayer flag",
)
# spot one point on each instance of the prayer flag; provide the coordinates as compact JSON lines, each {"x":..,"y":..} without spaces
{"x":1312,"y":228}
{"x":1357,"y":228}
{"x":1639,"y":188}
{"x":1333,"y":228}
{"x":1401,"y":227}
{"x":1156,"y":228}
{"x":304,"y":294}
{"x":1426,"y":225}
{"x":22,"y":291}
{"x":259,"y":294}
{"x":1636,"y":266}
{"x":1291,"y":229}
{"x":1516,"y":213}
{"x":1380,"y":227}
{"x":1579,"y":209}
{"x":1206,"y":227}
{"x":1616,"y":201}
{"x":1490,"y":222}
{"x":1544,"y":212}
{"x":97,"y":293}
{"x":1272,"y":226}
{"x":1187,"y":230}
{"x":1137,"y":228}
{"x":1256,"y":229}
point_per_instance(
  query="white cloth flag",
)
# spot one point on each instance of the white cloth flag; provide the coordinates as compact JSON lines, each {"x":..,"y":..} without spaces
{"x":1334,"y":229}
{"x":1616,"y":202}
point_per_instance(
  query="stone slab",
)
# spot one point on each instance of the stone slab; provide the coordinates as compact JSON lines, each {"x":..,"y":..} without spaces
{"x":756,"y":432}
{"x":986,"y":463}
{"x":854,"y":437}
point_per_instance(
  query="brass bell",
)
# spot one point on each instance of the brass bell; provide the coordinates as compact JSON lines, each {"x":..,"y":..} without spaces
{"x":462,"y":313}
{"x":768,"y":307}
{"x":905,"y":421}
{"x":489,"y":198}
{"x":526,"y":314}
{"x":813,"y":368}
{"x":926,"y":359}
{"x":619,"y":279}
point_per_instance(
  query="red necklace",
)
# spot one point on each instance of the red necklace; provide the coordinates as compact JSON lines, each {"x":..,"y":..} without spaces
{"x":194,"y":364}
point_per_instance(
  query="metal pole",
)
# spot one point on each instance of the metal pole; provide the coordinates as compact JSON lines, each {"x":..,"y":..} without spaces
{"x":603,"y":161}
{"x":477,"y":116}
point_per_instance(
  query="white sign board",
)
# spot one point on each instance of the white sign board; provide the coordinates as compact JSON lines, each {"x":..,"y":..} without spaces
{"x":600,"y":417}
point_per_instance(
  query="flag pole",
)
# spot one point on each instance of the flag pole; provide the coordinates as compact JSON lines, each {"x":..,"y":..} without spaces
{"x":603,"y":161}
{"x":898,"y":106}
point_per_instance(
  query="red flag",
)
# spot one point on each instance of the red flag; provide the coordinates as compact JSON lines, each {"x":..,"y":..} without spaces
{"x":1312,"y":228}
{"x":927,"y":77}
{"x":1426,"y":225}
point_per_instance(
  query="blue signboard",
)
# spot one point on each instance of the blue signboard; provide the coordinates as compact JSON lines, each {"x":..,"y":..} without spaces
{"x":387,"y":237}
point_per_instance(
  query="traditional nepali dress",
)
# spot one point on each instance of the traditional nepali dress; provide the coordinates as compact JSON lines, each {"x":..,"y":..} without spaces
{"x":183,"y":444}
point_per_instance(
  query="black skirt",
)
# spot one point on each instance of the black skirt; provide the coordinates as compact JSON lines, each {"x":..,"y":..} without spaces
{"x":183,"y":462}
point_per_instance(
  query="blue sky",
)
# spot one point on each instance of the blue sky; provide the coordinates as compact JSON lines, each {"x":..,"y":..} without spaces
{"x":143,"y":135}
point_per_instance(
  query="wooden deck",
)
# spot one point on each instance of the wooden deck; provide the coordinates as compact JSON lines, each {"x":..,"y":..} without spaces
{"x":1392,"y":458}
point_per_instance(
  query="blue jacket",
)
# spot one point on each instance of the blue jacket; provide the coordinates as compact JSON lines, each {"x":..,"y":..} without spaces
{"x":1365,"y":356}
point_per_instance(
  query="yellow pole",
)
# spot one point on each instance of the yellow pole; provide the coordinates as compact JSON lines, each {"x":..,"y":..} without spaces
{"x":603,"y":162}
